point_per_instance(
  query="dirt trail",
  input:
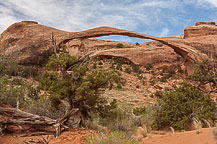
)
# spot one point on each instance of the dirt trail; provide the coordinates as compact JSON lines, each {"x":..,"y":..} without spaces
{"x":189,"y":137}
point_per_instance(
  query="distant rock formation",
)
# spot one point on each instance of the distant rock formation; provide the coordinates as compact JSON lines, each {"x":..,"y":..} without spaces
{"x":200,"y":29}
{"x":33,"y":41}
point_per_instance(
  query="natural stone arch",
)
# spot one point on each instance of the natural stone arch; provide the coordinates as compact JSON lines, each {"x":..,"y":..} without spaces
{"x":190,"y":54}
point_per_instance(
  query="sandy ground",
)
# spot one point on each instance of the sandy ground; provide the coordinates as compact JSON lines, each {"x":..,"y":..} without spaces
{"x":78,"y":137}
{"x":69,"y":137}
{"x":189,"y":137}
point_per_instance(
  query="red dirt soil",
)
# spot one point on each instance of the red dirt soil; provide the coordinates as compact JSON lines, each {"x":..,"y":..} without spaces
{"x":188,"y":137}
{"x":68,"y":137}
{"x":78,"y":137}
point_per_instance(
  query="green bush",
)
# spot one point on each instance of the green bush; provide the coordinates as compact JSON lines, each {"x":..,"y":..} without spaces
{"x":180,"y":70}
{"x":116,"y":137}
{"x":100,"y":63}
{"x":119,"y":45}
{"x":128,"y":70}
{"x":119,"y":67}
{"x":148,"y":66}
{"x":205,"y":73}
{"x":81,"y":88}
{"x":139,"y":111}
{"x":136,"y":68}
{"x":137,"y":86}
{"x":120,"y":117}
{"x":158,"y":94}
{"x":43,"y":107}
{"x":177,"y":108}
{"x":137,"y":44}
{"x":119,"y":61}
{"x":9,"y":66}
{"x":164,"y":78}
{"x":119,"y":86}
{"x":13,"y":90}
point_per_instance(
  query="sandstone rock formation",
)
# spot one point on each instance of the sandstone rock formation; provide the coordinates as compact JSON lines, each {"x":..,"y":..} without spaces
{"x":201,"y":29}
{"x":33,"y":40}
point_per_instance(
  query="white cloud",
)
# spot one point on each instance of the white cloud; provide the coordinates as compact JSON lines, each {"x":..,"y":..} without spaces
{"x":145,"y":16}
{"x":71,"y":15}
{"x":164,"y":32}
{"x":202,"y":3}
{"x":214,"y":2}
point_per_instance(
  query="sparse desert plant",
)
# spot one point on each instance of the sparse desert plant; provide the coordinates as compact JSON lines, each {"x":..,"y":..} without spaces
{"x":158,"y":94}
{"x":119,"y":86}
{"x":120,"y":118}
{"x":119,"y":45}
{"x":116,"y":137}
{"x":119,"y":67}
{"x":148,"y":66}
{"x":43,"y":107}
{"x":137,"y":44}
{"x":119,"y":61}
{"x":215,"y":132}
{"x":128,"y":70}
{"x":159,"y":45}
{"x":180,"y":70}
{"x":14,"y":90}
{"x":139,"y":111}
{"x":136,"y":68}
{"x":197,"y":125}
{"x":9,"y":66}
{"x":206,"y":72}
{"x":100,"y":63}
{"x":178,"y":107}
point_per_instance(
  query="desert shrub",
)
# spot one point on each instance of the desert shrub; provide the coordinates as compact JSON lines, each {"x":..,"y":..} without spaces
{"x":118,"y":118}
{"x":9,"y":66}
{"x":119,"y":86}
{"x":81,"y":88}
{"x":119,"y":67}
{"x":119,"y":61}
{"x":137,"y":86}
{"x":164,"y":78}
{"x":63,"y":47}
{"x":100,"y":63}
{"x":205,"y":73}
{"x":171,"y":73}
{"x":139,"y":111}
{"x":178,"y":107}
{"x":119,"y":45}
{"x":159,"y":45}
{"x":128,"y":70}
{"x":136,"y":68}
{"x":137,"y":44}
{"x":139,"y":76}
{"x":13,"y":90}
{"x":158,"y":94}
{"x":116,"y":137}
{"x":94,"y":66}
{"x":43,"y":107}
{"x":180,"y":70}
{"x":152,"y":82}
{"x":215,"y":132}
{"x":148,"y":66}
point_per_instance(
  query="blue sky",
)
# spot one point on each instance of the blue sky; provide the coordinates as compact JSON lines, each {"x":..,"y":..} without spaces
{"x":153,"y":17}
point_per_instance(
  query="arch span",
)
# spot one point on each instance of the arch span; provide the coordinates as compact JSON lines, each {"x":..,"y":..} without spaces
{"x":190,"y":54}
